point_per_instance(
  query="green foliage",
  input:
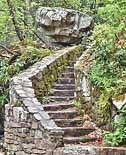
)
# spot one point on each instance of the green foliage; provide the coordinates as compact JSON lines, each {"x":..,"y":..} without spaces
{"x":80,"y":5}
{"x":30,"y":55}
{"x":25,"y":12}
{"x":72,"y":4}
{"x":117,"y":137}
{"x":5,"y":22}
{"x":78,"y":105}
{"x":45,"y":100}
{"x":108,"y":73}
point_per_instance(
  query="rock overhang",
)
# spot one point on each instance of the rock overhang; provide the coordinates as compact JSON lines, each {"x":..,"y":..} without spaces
{"x":64,"y":25}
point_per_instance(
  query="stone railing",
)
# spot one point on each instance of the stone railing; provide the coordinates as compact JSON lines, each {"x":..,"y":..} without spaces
{"x":28,"y":128}
{"x":83,"y":88}
{"x":82,"y":82}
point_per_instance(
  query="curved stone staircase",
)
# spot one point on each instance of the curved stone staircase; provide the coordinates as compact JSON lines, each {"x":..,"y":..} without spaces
{"x":28,"y":127}
{"x":63,"y":111}
{"x":42,"y":125}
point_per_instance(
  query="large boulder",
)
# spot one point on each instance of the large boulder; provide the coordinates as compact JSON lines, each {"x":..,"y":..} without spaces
{"x":64,"y":25}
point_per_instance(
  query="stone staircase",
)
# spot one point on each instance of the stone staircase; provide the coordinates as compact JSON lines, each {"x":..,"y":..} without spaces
{"x":63,"y":111}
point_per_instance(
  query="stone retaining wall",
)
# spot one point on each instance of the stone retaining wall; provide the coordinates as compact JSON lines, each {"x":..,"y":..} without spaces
{"x":90,"y":150}
{"x":28,"y":128}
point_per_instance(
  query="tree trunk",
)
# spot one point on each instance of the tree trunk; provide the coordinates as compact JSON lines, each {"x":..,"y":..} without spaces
{"x":14,"y":20}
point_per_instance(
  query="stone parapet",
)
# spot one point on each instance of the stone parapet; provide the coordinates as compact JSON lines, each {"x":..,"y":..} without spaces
{"x":83,"y":87}
{"x":82,"y":82}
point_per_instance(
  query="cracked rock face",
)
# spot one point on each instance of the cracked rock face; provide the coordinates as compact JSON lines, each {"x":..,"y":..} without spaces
{"x":64,"y":25}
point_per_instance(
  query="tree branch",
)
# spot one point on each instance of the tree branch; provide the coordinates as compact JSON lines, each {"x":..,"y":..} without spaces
{"x":13,"y":58}
{"x":6,"y":49}
{"x":33,"y":31}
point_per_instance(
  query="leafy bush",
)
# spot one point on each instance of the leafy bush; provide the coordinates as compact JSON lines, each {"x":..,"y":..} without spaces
{"x":78,"y":106}
{"x":108,"y":73}
{"x":118,"y":136}
{"x":30,"y":55}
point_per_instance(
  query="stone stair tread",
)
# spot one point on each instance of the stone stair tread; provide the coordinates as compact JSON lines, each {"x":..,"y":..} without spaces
{"x":77,"y":131}
{"x":68,"y":75}
{"x":69,"y":78}
{"x":57,"y":102}
{"x":68,"y":72}
{"x":64,"y":86}
{"x":70,"y":69}
{"x":79,"y":139}
{"x":61,"y":98}
{"x":68,"y":122}
{"x":74,"y":119}
{"x":65,"y":80}
{"x":76,"y":128}
{"x":62,"y":114}
{"x":72,"y":90}
{"x":63,"y":111}
{"x":62,"y":92}
{"x":57,"y":106}
{"x":67,"y":84}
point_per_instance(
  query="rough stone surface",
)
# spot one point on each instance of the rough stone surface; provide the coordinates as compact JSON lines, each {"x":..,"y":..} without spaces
{"x":83,"y":88}
{"x":90,"y":150}
{"x":120,"y":101}
{"x":82,"y":82}
{"x":64,"y":25}
{"x":79,"y":150}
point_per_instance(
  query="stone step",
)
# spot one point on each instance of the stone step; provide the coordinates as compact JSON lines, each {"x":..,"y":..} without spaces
{"x":68,"y":75}
{"x":57,"y":92}
{"x":70,"y":69}
{"x":66,"y":80}
{"x":77,"y":131}
{"x":61,"y":98}
{"x":72,"y":63}
{"x":57,"y":106}
{"x":77,"y":140}
{"x":75,"y":122}
{"x":64,"y":86}
{"x":64,"y":114}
